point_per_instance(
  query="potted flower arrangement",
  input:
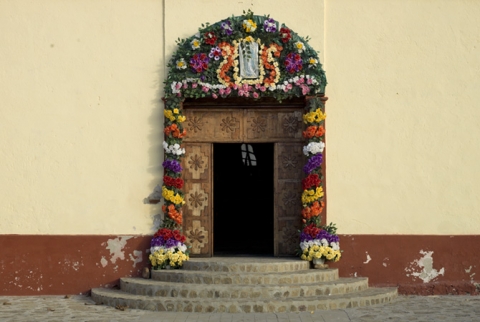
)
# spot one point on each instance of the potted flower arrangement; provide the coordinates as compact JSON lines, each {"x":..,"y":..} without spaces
{"x":168,"y":249}
{"x":320,"y":243}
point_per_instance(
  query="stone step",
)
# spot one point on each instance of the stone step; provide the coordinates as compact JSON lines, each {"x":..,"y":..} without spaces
{"x":366,"y":297}
{"x":212,"y":277}
{"x":141,"y":286}
{"x":247,"y":264}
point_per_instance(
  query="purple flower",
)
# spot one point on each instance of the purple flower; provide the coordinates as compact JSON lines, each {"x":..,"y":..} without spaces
{"x":171,"y":243}
{"x":226,"y":27}
{"x":172,"y":165}
{"x":305,"y":237}
{"x":157,"y":241}
{"x":199,"y":62}
{"x":270,"y":25}
{"x":215,"y":53}
{"x":314,"y":162}
{"x":293,"y":63}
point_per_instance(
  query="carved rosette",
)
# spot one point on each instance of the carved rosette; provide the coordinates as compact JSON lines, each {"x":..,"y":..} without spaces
{"x":258,"y":124}
{"x":196,"y":162}
{"x":291,"y":124}
{"x":230,"y":124}
{"x":197,"y":236}
{"x":288,"y":241}
{"x":196,"y":200}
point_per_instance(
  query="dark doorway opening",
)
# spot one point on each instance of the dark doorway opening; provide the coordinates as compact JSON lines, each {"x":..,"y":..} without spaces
{"x":243,"y":199}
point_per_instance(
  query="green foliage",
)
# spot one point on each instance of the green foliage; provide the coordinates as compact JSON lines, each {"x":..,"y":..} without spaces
{"x":210,"y":75}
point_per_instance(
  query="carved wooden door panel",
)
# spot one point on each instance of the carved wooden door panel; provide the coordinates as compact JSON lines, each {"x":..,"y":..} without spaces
{"x":197,"y":211}
{"x":289,"y":162}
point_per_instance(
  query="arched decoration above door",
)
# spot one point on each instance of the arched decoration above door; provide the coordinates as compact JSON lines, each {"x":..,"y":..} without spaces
{"x":250,"y":57}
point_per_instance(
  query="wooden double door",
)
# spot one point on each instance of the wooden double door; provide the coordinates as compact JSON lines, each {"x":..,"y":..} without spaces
{"x":222,"y":140}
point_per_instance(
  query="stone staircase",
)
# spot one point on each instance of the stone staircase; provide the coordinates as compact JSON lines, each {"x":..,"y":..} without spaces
{"x":243,"y":285}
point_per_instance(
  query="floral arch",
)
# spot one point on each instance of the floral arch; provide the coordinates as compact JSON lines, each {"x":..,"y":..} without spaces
{"x":252,"y":57}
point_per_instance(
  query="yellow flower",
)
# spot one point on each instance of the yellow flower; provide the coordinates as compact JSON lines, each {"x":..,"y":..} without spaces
{"x":175,"y":111}
{"x":303,"y":257}
{"x":248,"y":39}
{"x":181,"y":118}
{"x":249,"y":25}
{"x":169,"y":115}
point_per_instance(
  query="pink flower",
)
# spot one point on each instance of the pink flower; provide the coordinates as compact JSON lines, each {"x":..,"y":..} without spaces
{"x":257,"y":85}
{"x":178,"y":85}
{"x":305,"y":89}
{"x":263,"y":88}
{"x":255,"y":95}
{"x":194,"y":85}
{"x":300,"y":81}
{"x":185,"y":85}
{"x":221,"y":91}
{"x":205,"y":89}
{"x":235,"y":86}
{"x":179,"y":94}
{"x":309,"y":81}
{"x":287,"y":87}
{"x":228,"y":91}
{"x":214,"y":96}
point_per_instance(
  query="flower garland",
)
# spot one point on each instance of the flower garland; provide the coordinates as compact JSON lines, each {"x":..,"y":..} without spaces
{"x":208,"y":65}
{"x":316,"y":241}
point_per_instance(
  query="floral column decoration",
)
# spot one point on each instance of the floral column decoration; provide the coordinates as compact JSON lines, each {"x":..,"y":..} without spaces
{"x":244,"y":56}
{"x":317,"y":242}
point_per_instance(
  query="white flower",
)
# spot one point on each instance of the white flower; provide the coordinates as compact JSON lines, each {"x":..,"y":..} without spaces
{"x":173,"y":149}
{"x":313,"y":148}
{"x":335,"y":246}
{"x":300,"y":46}
{"x":181,"y":64}
{"x":182,"y":248}
{"x":195,"y":43}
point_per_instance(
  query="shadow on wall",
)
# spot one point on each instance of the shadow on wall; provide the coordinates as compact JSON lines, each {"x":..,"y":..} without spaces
{"x":155,"y":152}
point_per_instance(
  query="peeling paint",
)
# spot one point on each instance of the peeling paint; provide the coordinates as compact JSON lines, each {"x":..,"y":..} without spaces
{"x":116,"y":246}
{"x":384,"y":264}
{"x":368,"y":258}
{"x":136,"y":257}
{"x":103,"y":261}
{"x":468,"y":270}
{"x":427,"y":272}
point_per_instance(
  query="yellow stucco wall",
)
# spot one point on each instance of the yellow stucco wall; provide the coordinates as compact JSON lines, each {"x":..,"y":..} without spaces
{"x":80,"y":87}
{"x":81,"y":121}
{"x":404,"y":116}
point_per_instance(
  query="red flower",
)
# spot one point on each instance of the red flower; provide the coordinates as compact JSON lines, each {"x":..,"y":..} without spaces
{"x":173,"y":182}
{"x":311,"y":181}
{"x":285,"y":34}
{"x":165,"y":233}
{"x":312,"y":230}
{"x":210,"y":38}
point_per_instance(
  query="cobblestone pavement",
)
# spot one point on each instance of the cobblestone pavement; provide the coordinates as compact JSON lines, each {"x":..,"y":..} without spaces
{"x":82,"y":308}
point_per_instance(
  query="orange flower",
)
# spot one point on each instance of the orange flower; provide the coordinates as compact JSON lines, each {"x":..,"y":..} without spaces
{"x":174,"y":214}
{"x":310,"y":132}
{"x":320,"y":131}
{"x":313,"y":211}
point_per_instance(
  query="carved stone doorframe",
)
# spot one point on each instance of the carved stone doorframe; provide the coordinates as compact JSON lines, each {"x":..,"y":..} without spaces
{"x":209,"y":122}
